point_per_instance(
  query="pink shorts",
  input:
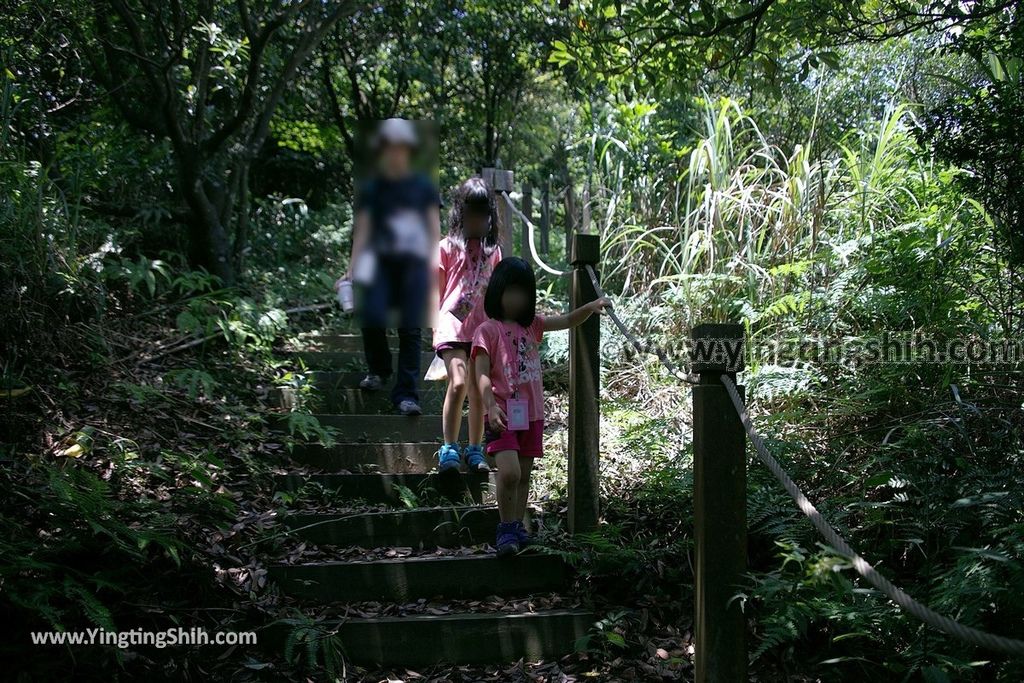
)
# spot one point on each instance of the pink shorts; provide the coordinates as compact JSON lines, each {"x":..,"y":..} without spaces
{"x":456,"y":345}
{"x":529,"y":442}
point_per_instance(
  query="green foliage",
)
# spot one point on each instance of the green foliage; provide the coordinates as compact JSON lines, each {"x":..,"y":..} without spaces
{"x":783,"y":164}
{"x":195,"y":382}
{"x":308,"y":427}
{"x":978,"y":129}
{"x":605,"y":636}
{"x":407,"y":496}
{"x":42,"y":575}
{"x":313,"y":646}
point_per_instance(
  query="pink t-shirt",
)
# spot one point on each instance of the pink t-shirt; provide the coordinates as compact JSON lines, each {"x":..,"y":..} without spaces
{"x":514,"y":351}
{"x":465,"y":274}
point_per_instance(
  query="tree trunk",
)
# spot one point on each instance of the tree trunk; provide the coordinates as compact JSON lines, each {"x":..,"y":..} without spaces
{"x":209,"y":244}
{"x":241,"y":243}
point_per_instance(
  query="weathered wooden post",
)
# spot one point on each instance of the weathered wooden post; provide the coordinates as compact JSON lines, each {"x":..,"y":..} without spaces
{"x":584,"y":386}
{"x":585,"y":209}
{"x":720,"y":506}
{"x":545,"y":218}
{"x":527,"y":209}
{"x":570,"y":215}
{"x":500,"y":181}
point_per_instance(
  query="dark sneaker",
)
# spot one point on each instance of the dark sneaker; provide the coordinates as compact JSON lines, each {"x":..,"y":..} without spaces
{"x":371,"y":382}
{"x":447,"y":458}
{"x":475,"y":461}
{"x":409,"y":407}
{"x":507,"y":542}
{"x":525,"y":539}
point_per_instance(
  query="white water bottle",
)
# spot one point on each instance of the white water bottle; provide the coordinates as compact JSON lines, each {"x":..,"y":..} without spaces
{"x":345,"y":296}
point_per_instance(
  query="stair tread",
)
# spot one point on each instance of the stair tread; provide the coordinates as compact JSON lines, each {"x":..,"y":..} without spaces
{"x":346,"y":515}
{"x":414,"y":457}
{"x":528,"y":557}
{"x":408,"y":579}
{"x":340,"y":359}
{"x":370,"y":428}
{"x":381,"y":487}
{"x":462,"y":637}
{"x":467,"y":616}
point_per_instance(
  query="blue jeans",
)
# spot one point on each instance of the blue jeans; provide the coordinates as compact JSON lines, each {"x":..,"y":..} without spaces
{"x":400,"y":285}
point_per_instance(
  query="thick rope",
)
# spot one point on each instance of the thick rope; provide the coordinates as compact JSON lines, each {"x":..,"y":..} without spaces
{"x":863,"y":567}
{"x":906,"y":603}
{"x":641,"y":347}
{"x":530,"y":228}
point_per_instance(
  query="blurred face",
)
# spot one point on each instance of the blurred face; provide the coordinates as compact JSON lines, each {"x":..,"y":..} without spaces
{"x":395,"y":159}
{"x":514,"y":302}
{"x":474,"y":221}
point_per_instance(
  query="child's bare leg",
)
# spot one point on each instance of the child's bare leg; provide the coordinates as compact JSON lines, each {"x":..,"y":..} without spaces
{"x":455,"y":364}
{"x":507,"y":484}
{"x":523,"y":489}
{"x":476,"y":410}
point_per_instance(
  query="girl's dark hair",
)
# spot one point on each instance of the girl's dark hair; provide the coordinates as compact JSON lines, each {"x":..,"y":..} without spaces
{"x":474,"y":193}
{"x":511,"y":272}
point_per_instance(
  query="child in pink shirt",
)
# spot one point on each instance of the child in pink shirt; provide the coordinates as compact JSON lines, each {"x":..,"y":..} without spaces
{"x":506,"y":362}
{"x":467,"y":257}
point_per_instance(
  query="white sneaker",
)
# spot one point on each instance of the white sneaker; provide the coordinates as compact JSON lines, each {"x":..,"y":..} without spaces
{"x":409,"y":407}
{"x":371,"y":382}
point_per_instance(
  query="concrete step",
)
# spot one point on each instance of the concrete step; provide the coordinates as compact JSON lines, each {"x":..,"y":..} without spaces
{"x":357,"y":402}
{"x":333,"y":379}
{"x":349,"y":400}
{"x":378,"y":428}
{"x":396,"y":458}
{"x":351,"y":341}
{"x":349,"y":360}
{"x":487,"y":638}
{"x":448,"y":527}
{"x":411,"y":578}
{"x":325,"y":380}
{"x":385,"y":488}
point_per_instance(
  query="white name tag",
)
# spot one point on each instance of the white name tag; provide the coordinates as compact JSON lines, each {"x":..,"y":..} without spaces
{"x":518,"y":414}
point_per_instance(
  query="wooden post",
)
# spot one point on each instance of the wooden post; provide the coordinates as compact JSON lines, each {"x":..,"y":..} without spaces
{"x":720,"y":506}
{"x":584,"y":386}
{"x":524,"y":249}
{"x":585,"y":209}
{"x":570,"y":216}
{"x":500,"y":180}
{"x":545,"y":218}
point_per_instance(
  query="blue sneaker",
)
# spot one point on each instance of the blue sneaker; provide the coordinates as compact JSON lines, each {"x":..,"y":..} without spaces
{"x":525,"y":539}
{"x":448,"y":458}
{"x":507,"y":542}
{"x":475,"y":458}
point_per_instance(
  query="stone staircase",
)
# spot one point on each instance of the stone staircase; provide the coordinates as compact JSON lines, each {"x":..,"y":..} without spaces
{"x":379,"y":459}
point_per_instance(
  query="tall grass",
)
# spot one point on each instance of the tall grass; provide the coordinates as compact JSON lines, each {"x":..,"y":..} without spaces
{"x":743,"y":215}
{"x":835,"y":238}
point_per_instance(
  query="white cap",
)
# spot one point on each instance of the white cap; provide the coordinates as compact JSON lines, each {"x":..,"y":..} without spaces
{"x":396,"y":131}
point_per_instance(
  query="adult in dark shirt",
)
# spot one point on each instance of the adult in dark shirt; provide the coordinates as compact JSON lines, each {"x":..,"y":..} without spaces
{"x":397,"y":226}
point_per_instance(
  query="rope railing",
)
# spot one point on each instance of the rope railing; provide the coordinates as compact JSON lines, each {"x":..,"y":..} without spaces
{"x":530,"y":229}
{"x":908,"y":604}
{"x":863,"y":567}
{"x":643,"y":348}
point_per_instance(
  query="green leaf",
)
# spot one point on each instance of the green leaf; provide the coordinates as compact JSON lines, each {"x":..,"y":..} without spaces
{"x":615,"y":639}
{"x":186,"y":322}
{"x":879,"y":479}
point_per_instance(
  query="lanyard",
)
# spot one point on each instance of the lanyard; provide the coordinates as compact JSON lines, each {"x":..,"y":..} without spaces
{"x":479,"y":265}
{"x":513,"y":377}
